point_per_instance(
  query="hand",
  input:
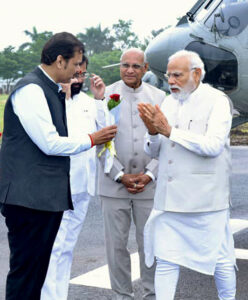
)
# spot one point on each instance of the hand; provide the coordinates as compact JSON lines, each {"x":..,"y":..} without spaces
{"x":141,"y":180}
{"x":104,"y":135}
{"x":66,"y":88}
{"x":129,"y":181}
{"x":97,"y":87}
{"x":157,"y":119}
{"x":151,"y":129}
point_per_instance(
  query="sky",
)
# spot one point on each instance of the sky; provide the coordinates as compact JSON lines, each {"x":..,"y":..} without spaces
{"x":74,"y":16}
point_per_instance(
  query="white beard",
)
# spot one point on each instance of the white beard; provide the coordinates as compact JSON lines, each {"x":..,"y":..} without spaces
{"x":184,"y":92}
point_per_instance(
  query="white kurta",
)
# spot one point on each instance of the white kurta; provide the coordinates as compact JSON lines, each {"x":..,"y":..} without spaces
{"x":81,"y":116}
{"x":191,"y":239}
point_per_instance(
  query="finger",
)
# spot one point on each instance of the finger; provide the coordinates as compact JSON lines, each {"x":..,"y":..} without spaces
{"x":132,"y":191}
{"x":157,"y":108}
{"x":139,"y":190}
{"x":74,"y":80}
{"x":111,"y":127}
{"x":98,"y":82}
{"x":149,"y":107}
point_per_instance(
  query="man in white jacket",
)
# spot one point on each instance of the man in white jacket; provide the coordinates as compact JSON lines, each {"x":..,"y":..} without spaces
{"x":84,"y":114}
{"x":189,"y":224}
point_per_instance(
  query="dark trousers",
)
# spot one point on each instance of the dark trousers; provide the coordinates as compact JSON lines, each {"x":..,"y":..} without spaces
{"x":31,"y":234}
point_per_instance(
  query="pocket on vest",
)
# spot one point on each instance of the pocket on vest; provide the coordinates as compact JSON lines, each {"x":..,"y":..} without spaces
{"x":47,"y":184}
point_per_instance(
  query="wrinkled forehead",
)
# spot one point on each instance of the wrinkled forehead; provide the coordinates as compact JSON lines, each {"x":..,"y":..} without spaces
{"x":178,"y":64}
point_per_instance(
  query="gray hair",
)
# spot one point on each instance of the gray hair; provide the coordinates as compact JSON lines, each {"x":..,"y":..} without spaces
{"x":134,"y":50}
{"x":194,"y":59}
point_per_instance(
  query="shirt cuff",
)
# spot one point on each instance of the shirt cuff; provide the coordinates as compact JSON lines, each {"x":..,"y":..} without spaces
{"x":149,"y":173}
{"x":88,"y":143}
{"x":153,"y":138}
{"x":100,"y":102}
{"x":121,"y":173}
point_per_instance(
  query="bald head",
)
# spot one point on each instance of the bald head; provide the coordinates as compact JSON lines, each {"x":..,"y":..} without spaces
{"x":134,"y":51}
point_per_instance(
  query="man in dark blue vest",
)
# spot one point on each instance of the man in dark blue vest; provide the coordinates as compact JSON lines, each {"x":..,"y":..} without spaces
{"x":34,"y":164}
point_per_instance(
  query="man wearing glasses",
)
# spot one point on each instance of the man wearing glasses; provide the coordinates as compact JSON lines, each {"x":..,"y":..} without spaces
{"x":189,"y":225}
{"x":127,"y":190}
{"x":83,"y":114}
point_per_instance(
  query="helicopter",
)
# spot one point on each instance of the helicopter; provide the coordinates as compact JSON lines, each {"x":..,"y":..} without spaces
{"x":217,"y":30}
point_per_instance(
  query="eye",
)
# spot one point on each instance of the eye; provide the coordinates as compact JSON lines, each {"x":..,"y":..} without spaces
{"x":126,"y":66}
{"x":136,"y":67}
{"x":176,"y":75}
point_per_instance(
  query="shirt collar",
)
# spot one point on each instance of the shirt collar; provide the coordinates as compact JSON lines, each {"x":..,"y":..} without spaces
{"x":45,"y":73}
{"x":132,"y":90}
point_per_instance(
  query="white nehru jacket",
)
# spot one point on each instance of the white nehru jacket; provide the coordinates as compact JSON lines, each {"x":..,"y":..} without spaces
{"x":194,"y":163}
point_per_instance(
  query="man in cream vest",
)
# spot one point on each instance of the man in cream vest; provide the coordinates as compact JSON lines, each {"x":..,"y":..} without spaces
{"x":127,"y":191}
{"x":189,"y":224}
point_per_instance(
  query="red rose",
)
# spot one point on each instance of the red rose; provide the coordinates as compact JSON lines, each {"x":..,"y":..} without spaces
{"x":0,"y":134}
{"x":115,"y":97}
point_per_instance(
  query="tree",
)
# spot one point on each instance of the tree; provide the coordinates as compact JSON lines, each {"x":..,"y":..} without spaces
{"x":36,"y":39}
{"x":97,"y":61}
{"x":96,"y":40}
{"x":9,"y":66}
{"x":124,"y":37}
{"x":30,"y":52}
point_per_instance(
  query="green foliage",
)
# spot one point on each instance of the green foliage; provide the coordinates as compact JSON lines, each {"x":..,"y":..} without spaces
{"x":97,"y":61}
{"x":103,"y":46}
{"x":30,"y":53}
{"x":96,"y":40}
{"x":15,"y":64}
{"x":9,"y":67}
{"x":124,"y":37}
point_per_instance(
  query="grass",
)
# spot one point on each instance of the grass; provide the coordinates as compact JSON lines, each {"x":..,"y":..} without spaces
{"x":3,"y":99}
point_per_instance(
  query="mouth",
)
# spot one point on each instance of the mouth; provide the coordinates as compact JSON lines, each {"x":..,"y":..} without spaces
{"x":175,"y":90}
{"x":130,"y":77}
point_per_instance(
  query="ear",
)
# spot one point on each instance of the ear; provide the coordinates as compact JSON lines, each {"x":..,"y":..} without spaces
{"x":60,"y":61}
{"x":146,"y":67}
{"x":197,"y":74}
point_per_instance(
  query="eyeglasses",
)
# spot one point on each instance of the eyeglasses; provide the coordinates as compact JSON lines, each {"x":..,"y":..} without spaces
{"x":175,"y":75}
{"x":82,"y":75}
{"x":134,"y":66}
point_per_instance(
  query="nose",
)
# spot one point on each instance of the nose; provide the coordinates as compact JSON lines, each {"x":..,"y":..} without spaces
{"x":130,"y":69}
{"x":171,"y":80}
{"x":77,"y":70}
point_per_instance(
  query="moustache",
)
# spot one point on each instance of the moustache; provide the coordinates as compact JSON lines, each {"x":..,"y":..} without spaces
{"x":174,"y":86}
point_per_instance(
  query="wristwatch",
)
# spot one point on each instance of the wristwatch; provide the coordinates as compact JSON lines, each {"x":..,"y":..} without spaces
{"x":118,"y":180}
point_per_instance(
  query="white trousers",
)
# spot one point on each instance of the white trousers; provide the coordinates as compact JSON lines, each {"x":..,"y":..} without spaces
{"x":167,"y":274}
{"x":57,"y":279}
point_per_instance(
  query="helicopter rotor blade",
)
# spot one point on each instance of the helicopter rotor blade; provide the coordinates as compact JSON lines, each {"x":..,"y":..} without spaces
{"x":110,"y":66}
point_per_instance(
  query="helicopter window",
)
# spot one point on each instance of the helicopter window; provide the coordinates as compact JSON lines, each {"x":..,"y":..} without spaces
{"x":221,"y":66}
{"x":229,"y":18}
{"x":202,"y":13}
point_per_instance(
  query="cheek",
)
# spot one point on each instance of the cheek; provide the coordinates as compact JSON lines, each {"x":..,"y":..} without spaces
{"x":122,"y":73}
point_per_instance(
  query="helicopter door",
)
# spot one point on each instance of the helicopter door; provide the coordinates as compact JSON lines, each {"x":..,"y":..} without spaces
{"x":221,"y":66}
{"x":230,"y":18}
